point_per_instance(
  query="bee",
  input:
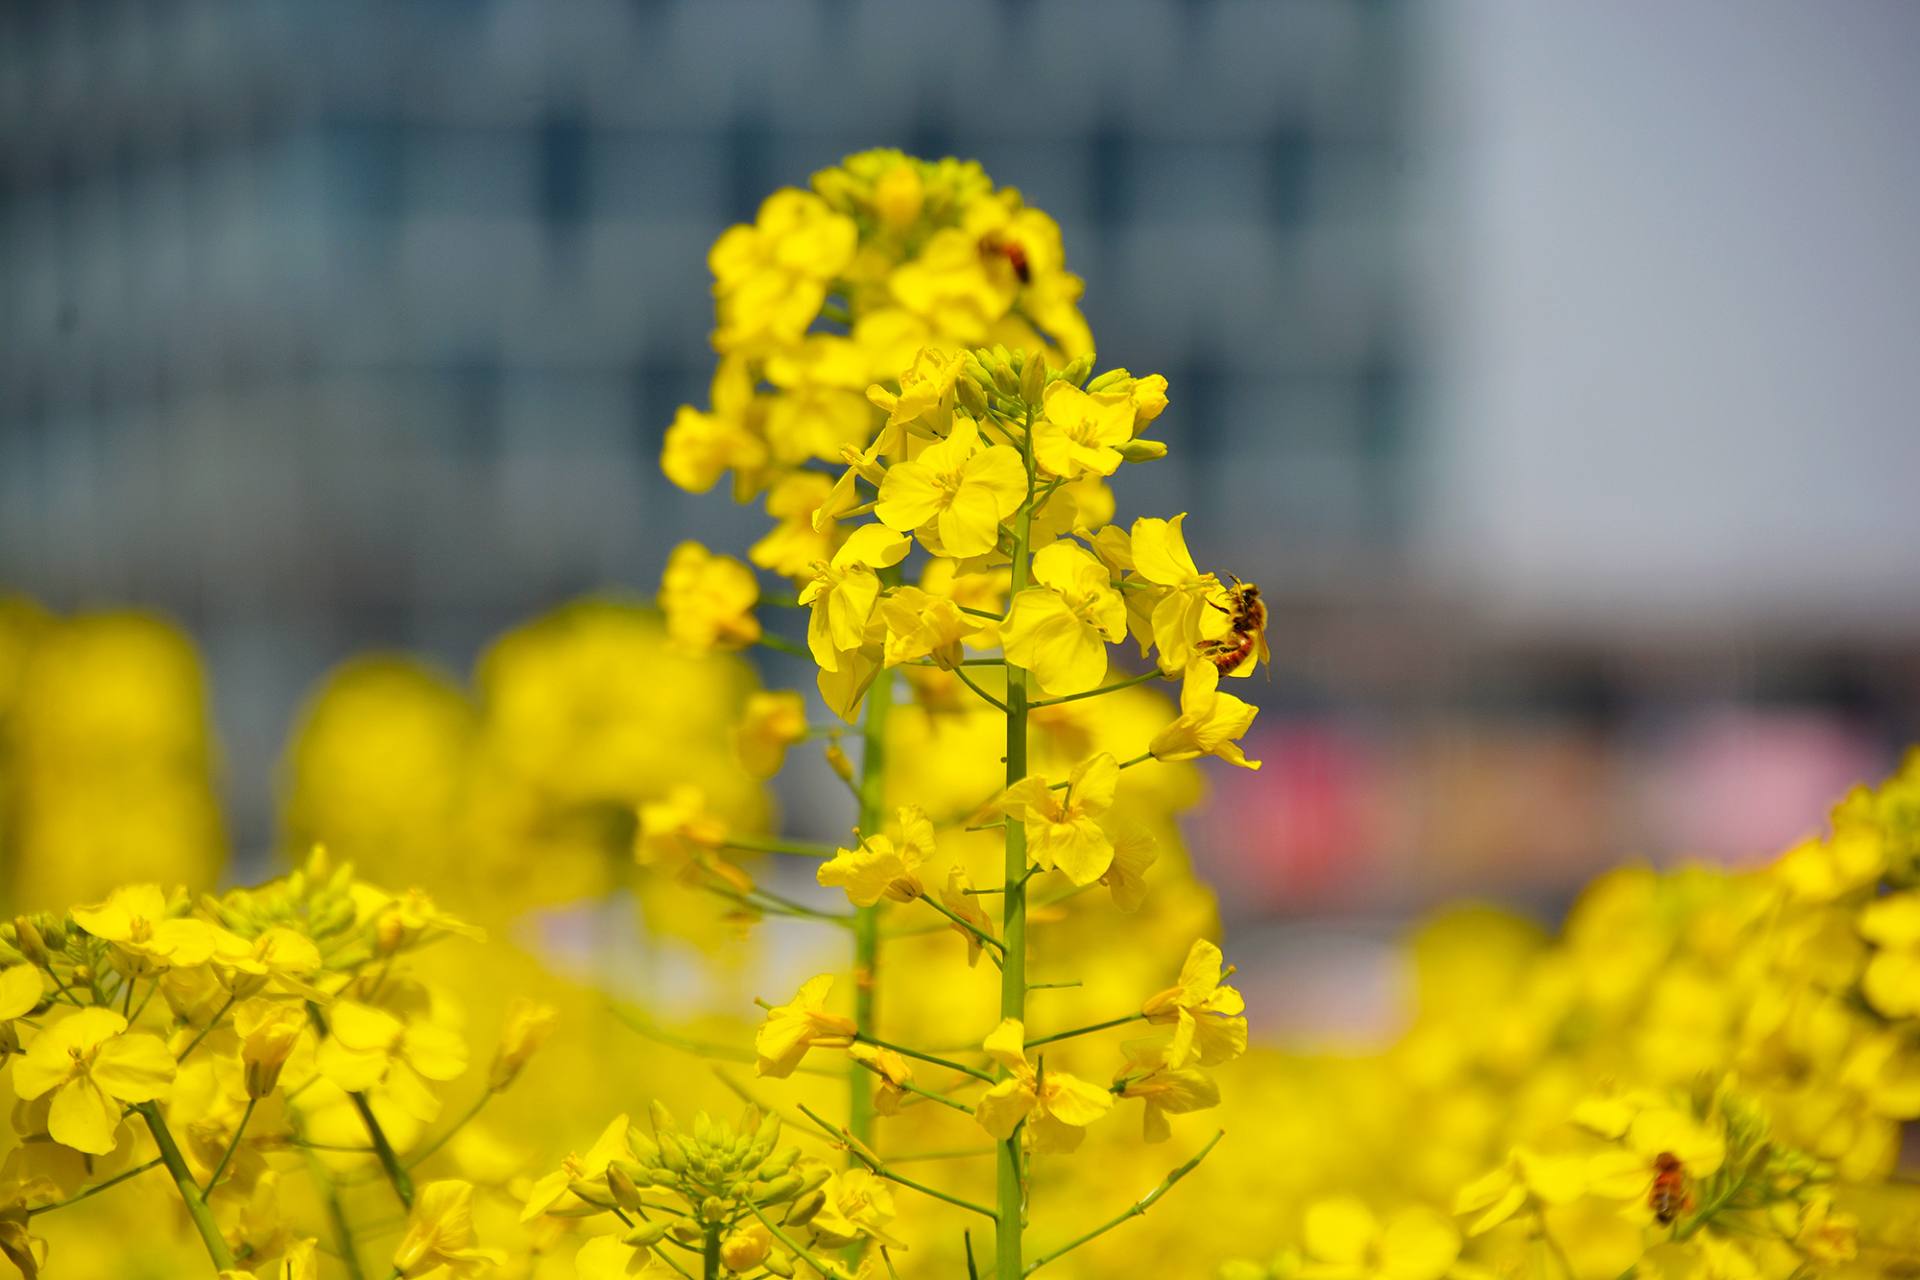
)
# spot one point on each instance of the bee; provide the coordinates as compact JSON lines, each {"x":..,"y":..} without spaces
{"x":1015,"y":255}
{"x":1246,"y":637}
{"x":1669,"y":1197}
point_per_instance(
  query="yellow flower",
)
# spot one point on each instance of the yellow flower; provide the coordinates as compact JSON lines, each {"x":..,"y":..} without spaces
{"x":89,"y":1063}
{"x":1061,"y":831}
{"x":803,"y":534}
{"x":679,"y":832}
{"x":857,"y":1204}
{"x":552,"y":1194}
{"x":278,"y":959}
{"x":1056,"y":1109}
{"x":791,"y":1029}
{"x":708,"y":600}
{"x":770,"y":278}
{"x":1345,"y":1241}
{"x":1060,"y":629}
{"x":881,"y":867}
{"x":955,"y":494}
{"x":1165,"y":1090}
{"x":920,"y":624}
{"x":699,"y":448}
{"x":439,"y":1236}
{"x":367,"y":1047}
{"x":955,"y":898}
{"x":1892,"y":978}
{"x":20,"y":990}
{"x":269,"y":1030}
{"x":925,"y":397}
{"x":894,"y":1071}
{"x":1080,"y":430}
{"x":772,"y":721}
{"x":1206,"y":1013}
{"x":1208,"y":722}
{"x":1192,"y":609}
{"x":1134,"y":851}
{"x":138,"y":921}
{"x":844,"y":589}
{"x":529,"y":1024}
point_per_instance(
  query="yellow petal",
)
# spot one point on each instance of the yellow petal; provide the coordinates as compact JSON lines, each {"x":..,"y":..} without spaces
{"x":134,"y":1068}
{"x":83,"y":1117}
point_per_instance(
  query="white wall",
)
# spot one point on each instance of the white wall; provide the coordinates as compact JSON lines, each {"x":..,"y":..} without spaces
{"x":1675,"y":310}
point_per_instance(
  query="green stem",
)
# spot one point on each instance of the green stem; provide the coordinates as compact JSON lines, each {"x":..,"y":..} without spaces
{"x":982,"y":694}
{"x":96,"y":1188}
{"x":710,"y":1254}
{"x":1133,"y":1210}
{"x":189,"y":1191}
{"x":1009,"y":1179}
{"x":1115,"y":687}
{"x":417,"y":1158}
{"x":205,"y":1031}
{"x":937,"y":1061}
{"x":780,"y":644}
{"x":964,"y":923}
{"x":763,"y":844}
{"x":233,"y":1145}
{"x":1087,"y":1030}
{"x":383,"y":1150}
{"x":866,"y":920}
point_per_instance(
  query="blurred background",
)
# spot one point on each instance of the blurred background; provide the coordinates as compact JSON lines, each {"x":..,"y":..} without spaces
{"x":1551,"y":367}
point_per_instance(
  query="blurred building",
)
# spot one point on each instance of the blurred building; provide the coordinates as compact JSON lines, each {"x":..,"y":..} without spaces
{"x":359,"y":324}
{"x":1548,"y":365}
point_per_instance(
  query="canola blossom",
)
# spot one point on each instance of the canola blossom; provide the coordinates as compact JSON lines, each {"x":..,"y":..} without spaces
{"x":1014,"y":1042}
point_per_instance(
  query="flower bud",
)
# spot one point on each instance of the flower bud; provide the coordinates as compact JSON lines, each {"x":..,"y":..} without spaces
{"x":840,"y":764}
{"x":1141,"y":450}
{"x":265,"y":1048}
{"x":672,"y":1154}
{"x":1033,"y":379}
{"x":645,"y":1236}
{"x":745,"y":1250}
{"x":1077,"y":369}
{"x":621,"y":1184}
{"x":780,"y":1265}
{"x":971,"y":397}
{"x":593,"y":1190}
{"x":806,"y":1207}
{"x":33,"y":946}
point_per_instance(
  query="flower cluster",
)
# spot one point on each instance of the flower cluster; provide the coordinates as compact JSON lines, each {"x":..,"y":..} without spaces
{"x":230,"y":1042}
{"x":1708,"y":1075}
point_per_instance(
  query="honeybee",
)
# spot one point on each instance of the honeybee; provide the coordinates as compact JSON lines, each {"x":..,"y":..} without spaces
{"x":1669,"y":1197}
{"x":1246,"y":637}
{"x":1015,"y":255}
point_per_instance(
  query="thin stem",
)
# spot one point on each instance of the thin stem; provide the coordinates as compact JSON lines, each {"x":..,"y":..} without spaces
{"x":97,"y":1187}
{"x":763,"y":844}
{"x":866,"y":920}
{"x":205,"y":1031}
{"x":419,"y":1157}
{"x":189,"y":1192}
{"x":984,"y":696}
{"x":396,"y":1172}
{"x":1142,"y":758}
{"x":948,"y":1063}
{"x":1115,"y":687}
{"x":1009,"y":1188}
{"x":1086,"y":1030}
{"x":972,"y":928}
{"x":646,"y":1027}
{"x":780,"y":644}
{"x":860,"y":1152}
{"x":1133,"y":1210}
{"x":957,"y":1153}
{"x":710,"y":1253}
{"x":233,"y":1144}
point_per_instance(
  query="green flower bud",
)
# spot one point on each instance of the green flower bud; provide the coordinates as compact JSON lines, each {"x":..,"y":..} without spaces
{"x":1142,"y":450}
{"x":806,"y":1207}
{"x":644,"y":1236}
